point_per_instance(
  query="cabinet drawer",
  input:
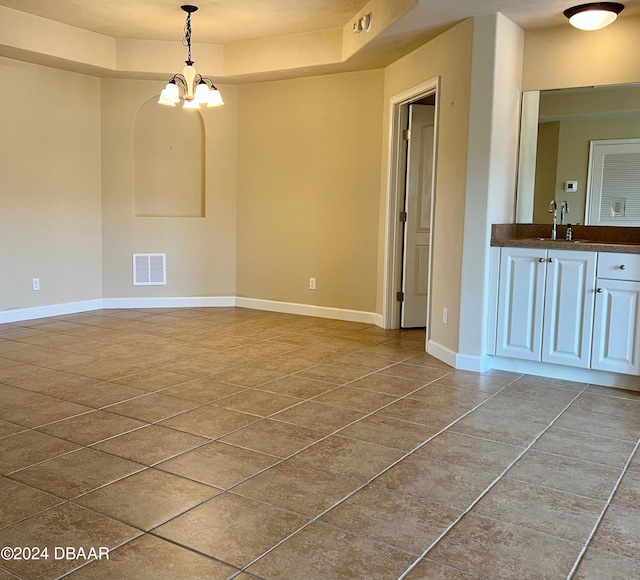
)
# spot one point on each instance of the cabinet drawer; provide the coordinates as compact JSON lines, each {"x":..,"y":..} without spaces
{"x":614,"y":266}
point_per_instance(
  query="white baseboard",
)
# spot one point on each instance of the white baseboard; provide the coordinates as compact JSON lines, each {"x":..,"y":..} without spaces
{"x":462,"y":362}
{"x":552,"y":371}
{"x":170,"y":302}
{"x":311,"y":310}
{"x":478,"y":364}
{"x":459,"y":361}
{"x":442,"y":353}
{"x":20,"y":314}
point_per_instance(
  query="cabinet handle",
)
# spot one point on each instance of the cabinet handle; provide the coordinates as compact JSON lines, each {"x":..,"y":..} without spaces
{"x":599,"y":290}
{"x":549,"y":259}
{"x":540,"y":259}
{"x":623,"y":267}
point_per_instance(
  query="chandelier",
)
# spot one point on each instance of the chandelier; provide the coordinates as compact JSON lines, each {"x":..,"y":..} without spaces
{"x":190,"y":85}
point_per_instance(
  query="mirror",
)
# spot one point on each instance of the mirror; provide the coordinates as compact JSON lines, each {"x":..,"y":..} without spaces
{"x":557,"y":131}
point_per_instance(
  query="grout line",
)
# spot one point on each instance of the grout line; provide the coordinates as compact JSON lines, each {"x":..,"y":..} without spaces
{"x":368,"y":482}
{"x":279,"y":460}
{"x":25,"y":518}
{"x":362,"y":347}
{"x":86,"y":563}
{"x":209,"y":440}
{"x":603,"y":512}
{"x":491,"y":485}
{"x":10,"y":473}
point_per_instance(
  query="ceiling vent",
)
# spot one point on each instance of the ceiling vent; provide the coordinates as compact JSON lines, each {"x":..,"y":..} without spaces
{"x":149,"y":269}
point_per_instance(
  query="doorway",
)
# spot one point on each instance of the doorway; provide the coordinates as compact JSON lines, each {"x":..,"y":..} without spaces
{"x":417,"y":213}
{"x":410,"y":207}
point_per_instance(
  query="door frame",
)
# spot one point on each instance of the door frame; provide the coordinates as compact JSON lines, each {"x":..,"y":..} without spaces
{"x":396,"y":171}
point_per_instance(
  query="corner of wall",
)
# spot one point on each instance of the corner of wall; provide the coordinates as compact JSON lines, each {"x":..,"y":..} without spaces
{"x":498,"y":46}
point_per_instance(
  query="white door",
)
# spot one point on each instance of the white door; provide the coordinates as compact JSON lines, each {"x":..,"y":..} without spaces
{"x":417,"y":230}
{"x":568,"y":310}
{"x":616,"y":329}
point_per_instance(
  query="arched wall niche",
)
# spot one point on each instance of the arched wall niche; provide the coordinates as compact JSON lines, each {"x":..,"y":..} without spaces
{"x":168,"y":148}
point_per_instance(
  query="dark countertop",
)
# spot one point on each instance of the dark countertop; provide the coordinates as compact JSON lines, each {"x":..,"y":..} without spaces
{"x":585,"y":238}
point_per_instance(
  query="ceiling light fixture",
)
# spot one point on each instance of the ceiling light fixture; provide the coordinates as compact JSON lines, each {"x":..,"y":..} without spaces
{"x":190,"y":85}
{"x":593,"y":16}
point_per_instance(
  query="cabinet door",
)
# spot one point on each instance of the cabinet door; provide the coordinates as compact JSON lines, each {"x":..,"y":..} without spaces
{"x":568,"y":314}
{"x":520,"y":303}
{"x":616,"y":329}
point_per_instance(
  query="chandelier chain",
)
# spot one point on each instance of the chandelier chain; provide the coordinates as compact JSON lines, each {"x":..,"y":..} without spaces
{"x":186,"y":41}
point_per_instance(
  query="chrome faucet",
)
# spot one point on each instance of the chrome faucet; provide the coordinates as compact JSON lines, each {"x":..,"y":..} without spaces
{"x":564,"y":209}
{"x":553,"y":208}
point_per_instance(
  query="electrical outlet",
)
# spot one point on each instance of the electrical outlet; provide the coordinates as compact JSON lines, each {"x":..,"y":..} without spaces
{"x":36,"y":284}
{"x":312,"y":283}
{"x":445,"y":316}
{"x":618,"y":206}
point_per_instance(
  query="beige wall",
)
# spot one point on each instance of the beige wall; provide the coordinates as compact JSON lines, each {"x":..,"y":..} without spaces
{"x":200,"y":251}
{"x":546,"y":165}
{"x":566,"y":57}
{"x":49,"y":186}
{"x":308,"y":189}
{"x":302,"y":162}
{"x":449,"y":57}
{"x":573,"y":155}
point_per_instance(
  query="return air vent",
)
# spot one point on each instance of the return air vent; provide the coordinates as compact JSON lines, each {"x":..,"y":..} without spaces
{"x":149,"y":269}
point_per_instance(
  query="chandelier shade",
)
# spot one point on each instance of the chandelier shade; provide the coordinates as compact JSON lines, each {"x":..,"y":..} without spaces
{"x":189,"y":85}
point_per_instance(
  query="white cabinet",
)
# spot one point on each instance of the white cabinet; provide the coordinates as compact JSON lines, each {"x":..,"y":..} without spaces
{"x":545,"y":305}
{"x":616,"y":332}
{"x":521,"y":303}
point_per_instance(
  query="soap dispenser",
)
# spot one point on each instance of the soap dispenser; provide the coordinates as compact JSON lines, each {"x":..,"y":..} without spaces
{"x":569,"y":234}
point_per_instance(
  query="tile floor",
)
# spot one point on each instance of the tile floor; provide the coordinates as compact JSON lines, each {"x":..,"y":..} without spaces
{"x":231,"y":443}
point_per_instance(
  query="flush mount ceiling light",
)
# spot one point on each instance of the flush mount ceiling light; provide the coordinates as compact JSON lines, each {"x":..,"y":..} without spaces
{"x":593,"y":16}
{"x":190,"y":85}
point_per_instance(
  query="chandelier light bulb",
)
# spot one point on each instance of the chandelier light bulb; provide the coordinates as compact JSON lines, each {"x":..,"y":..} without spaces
{"x":191,"y":104}
{"x":170,"y":95}
{"x":202,"y":93}
{"x":215,"y":98}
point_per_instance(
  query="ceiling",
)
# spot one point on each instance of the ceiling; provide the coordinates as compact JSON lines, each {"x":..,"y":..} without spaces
{"x":217,"y":21}
{"x":225,"y":22}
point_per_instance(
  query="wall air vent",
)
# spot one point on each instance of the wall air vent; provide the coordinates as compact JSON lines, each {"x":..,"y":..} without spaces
{"x":149,"y":269}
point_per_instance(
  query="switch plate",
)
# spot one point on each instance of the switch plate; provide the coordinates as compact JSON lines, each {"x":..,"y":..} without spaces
{"x":35,"y":284}
{"x":445,"y":315}
{"x":312,"y":283}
